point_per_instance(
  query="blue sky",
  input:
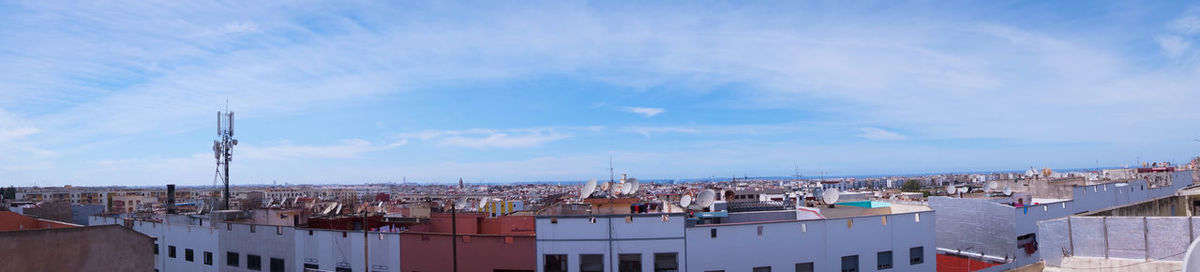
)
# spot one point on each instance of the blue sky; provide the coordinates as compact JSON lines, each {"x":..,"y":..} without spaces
{"x":350,"y":92}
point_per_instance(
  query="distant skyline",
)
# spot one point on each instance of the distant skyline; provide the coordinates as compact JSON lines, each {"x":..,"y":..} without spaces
{"x":126,"y":93}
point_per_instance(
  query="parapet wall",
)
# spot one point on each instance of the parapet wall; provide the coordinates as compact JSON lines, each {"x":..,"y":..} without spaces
{"x":1123,"y":237}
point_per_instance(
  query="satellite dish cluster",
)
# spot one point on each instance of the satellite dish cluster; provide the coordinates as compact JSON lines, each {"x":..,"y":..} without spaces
{"x":627,"y":187}
{"x":701,"y":201}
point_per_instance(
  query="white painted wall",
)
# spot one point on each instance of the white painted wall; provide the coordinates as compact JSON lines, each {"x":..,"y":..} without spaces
{"x":646,"y":234}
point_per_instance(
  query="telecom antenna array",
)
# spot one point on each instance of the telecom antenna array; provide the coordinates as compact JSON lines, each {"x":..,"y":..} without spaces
{"x":223,"y":150}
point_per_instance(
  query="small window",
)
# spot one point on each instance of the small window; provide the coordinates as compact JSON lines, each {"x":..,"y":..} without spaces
{"x":171,"y":251}
{"x":712,"y":233}
{"x":666,"y":262}
{"x":804,"y":267}
{"x":883,"y":260}
{"x":850,"y":223}
{"x":208,"y":258}
{"x":629,"y":262}
{"x":311,"y":266}
{"x":850,"y":263}
{"x":253,"y":262}
{"x":251,"y":228}
{"x":918,"y":217}
{"x":591,"y":263}
{"x":555,"y":263}
{"x":916,"y":255}
{"x":554,"y":220}
{"x":628,"y":219}
{"x":762,"y":269}
{"x":155,"y":249}
{"x":187,"y":255}
{"x":884,"y":220}
{"x":231,"y":259}
{"x":760,"y":230}
{"x":803,"y":228}
{"x":277,"y":265}
{"x":279,"y":230}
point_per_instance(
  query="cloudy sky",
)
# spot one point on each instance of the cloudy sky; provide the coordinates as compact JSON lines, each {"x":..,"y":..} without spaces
{"x":95,"y":93}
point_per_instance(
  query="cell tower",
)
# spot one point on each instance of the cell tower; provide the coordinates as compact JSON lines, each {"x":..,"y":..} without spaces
{"x":223,"y":150}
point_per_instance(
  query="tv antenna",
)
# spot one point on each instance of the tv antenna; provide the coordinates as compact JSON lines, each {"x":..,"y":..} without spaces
{"x":223,"y":149}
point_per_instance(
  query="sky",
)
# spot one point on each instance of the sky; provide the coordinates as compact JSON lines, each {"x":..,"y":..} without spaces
{"x":126,"y":93}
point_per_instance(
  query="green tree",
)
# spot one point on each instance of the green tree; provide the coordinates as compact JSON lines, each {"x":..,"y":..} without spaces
{"x":10,"y":192}
{"x":911,"y":185}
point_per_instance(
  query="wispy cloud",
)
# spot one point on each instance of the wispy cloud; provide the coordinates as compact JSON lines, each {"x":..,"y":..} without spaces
{"x":871,"y":133}
{"x":1189,"y":24}
{"x":644,"y":111}
{"x":1173,"y":46}
{"x":346,"y":149}
{"x":648,"y":131}
{"x":490,"y":138}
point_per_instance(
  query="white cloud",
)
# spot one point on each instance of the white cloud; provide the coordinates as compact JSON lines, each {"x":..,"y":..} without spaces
{"x":1186,"y":24}
{"x":879,"y":134}
{"x":1173,"y":46}
{"x":644,"y":111}
{"x":648,"y":131}
{"x":346,"y":149}
{"x":489,"y":138}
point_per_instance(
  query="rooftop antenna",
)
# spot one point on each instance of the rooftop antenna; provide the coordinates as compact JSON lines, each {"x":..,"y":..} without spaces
{"x":611,"y":174}
{"x":223,"y":149}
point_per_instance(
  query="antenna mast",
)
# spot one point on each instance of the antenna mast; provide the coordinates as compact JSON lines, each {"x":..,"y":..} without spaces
{"x":611,"y":176}
{"x":223,"y":149}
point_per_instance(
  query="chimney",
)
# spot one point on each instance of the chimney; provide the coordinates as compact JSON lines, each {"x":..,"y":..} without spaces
{"x":170,"y":198}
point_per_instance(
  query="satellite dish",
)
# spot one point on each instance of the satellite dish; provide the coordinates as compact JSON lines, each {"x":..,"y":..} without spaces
{"x":1007,"y":190}
{"x":830,"y":196}
{"x":484,"y":201}
{"x":1191,"y":262}
{"x":626,"y":188}
{"x":963,"y":190}
{"x":614,"y":188}
{"x":460,"y":204}
{"x":604,"y":186}
{"x":706,"y":198}
{"x":685,"y":201}
{"x":585,"y":192}
{"x":992,"y":186}
{"x":950,"y":189}
{"x":633,"y":185}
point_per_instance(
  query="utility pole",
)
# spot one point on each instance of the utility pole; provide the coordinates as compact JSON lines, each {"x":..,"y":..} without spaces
{"x":454,"y":233}
{"x":366,"y":254}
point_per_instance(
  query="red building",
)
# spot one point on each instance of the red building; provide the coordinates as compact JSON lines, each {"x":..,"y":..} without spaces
{"x":506,"y":243}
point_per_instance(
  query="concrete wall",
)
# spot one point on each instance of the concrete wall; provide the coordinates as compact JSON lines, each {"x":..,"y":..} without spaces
{"x":782,"y":245}
{"x":611,"y":235}
{"x":263,"y":240}
{"x":1141,"y":238}
{"x":330,"y":249}
{"x":96,"y":248}
{"x":199,"y":239}
{"x":434,"y":252}
{"x":976,"y":225}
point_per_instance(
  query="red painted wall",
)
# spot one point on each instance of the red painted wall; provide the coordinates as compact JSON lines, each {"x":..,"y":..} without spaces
{"x":947,"y":263}
{"x":432,"y":252}
{"x":10,"y":221}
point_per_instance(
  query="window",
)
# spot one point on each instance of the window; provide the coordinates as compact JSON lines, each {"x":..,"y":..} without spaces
{"x":629,"y":262}
{"x":231,"y":259}
{"x":343,"y":269}
{"x":666,"y":262}
{"x":187,"y":255}
{"x":555,"y":263}
{"x":253,"y":262}
{"x":850,"y":263}
{"x":804,"y":267}
{"x":312,"y":266}
{"x":171,"y":251}
{"x":591,"y":262}
{"x":208,"y":258}
{"x":762,"y":269}
{"x":155,"y":249}
{"x":916,"y":255}
{"x":712,"y":233}
{"x":276,"y":265}
{"x":883,"y":260}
